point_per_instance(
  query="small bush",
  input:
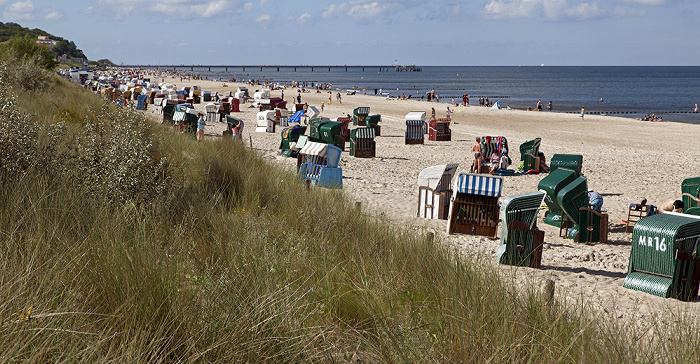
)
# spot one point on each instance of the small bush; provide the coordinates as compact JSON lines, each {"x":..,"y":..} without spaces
{"x":26,"y":74}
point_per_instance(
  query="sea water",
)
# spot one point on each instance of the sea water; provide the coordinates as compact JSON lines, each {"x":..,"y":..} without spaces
{"x":629,"y":91}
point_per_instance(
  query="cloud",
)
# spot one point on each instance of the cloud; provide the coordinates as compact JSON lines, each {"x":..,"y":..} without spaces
{"x":21,"y":10}
{"x":361,"y":10}
{"x":172,"y":8}
{"x":551,"y":9}
{"x":52,"y":14}
{"x":303,"y":18}
{"x":650,"y":2}
{"x":263,"y":19}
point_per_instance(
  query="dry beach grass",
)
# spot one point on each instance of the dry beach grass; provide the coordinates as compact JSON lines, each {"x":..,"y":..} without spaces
{"x":215,"y":255}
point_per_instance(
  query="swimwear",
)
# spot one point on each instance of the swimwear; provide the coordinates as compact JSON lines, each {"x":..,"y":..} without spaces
{"x":476,"y":155}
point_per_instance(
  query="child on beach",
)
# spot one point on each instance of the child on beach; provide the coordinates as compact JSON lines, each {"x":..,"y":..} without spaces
{"x":200,"y":126}
{"x":583,"y":111}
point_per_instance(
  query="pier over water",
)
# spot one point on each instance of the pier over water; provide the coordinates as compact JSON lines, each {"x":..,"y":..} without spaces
{"x":278,"y":68}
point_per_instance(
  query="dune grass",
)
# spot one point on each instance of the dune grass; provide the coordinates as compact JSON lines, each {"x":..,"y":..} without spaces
{"x":129,"y":243}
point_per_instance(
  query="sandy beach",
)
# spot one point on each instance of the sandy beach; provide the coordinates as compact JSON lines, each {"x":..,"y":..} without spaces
{"x":625,"y":160}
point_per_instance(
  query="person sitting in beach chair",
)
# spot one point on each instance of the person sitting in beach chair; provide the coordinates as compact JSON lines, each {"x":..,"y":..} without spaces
{"x":543,"y":163}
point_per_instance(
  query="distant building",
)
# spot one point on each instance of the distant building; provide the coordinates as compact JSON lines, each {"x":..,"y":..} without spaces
{"x":46,"y":41}
{"x":64,"y":58}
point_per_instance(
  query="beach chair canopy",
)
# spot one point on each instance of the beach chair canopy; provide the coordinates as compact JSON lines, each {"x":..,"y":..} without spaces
{"x":572,"y":162}
{"x":530,"y":147}
{"x":323,"y":150}
{"x":572,"y":197}
{"x":362,"y":133}
{"x":416,"y":115}
{"x":312,"y":112}
{"x":433,"y":176}
{"x":478,"y":184}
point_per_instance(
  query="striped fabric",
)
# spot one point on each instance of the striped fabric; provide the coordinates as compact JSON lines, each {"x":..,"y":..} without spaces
{"x":654,"y":266}
{"x":363,"y":110}
{"x":364,"y":133}
{"x":314,"y":148}
{"x":477,"y":184}
{"x":313,"y":171}
{"x":414,"y":129}
{"x":179,"y":116}
{"x":494,"y":143}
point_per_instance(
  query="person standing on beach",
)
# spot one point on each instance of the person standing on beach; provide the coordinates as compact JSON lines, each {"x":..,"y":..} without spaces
{"x":539,"y":105}
{"x":476,"y":148}
{"x":549,"y":106}
{"x":583,"y":111}
{"x":200,"y":126}
{"x":695,"y":110}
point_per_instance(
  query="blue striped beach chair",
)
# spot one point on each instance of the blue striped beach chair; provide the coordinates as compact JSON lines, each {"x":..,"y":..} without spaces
{"x":474,"y":204}
{"x":414,"y":132}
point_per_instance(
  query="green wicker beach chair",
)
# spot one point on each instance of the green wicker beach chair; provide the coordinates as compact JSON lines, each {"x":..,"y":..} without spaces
{"x":571,"y":198}
{"x":521,"y":241}
{"x":551,"y":185}
{"x":664,"y":257}
{"x":528,"y":154}
{"x":360,"y":115}
{"x":362,"y":144}
{"x":690,"y":190}
{"x":572,"y":162}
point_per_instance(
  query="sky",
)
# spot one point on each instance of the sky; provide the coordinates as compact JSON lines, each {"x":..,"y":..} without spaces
{"x":366,"y":32}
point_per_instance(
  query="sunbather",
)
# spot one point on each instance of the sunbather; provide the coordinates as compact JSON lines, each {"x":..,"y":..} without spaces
{"x":672,"y":206}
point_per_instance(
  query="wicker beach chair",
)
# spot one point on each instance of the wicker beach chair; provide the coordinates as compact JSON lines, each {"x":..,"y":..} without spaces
{"x":362,"y":144}
{"x":474,"y":204}
{"x":321,"y":165}
{"x":435,"y":191}
{"x":360,"y":115}
{"x":521,"y":241}
{"x":439,"y":130}
{"x":529,"y":154}
{"x":664,"y":258}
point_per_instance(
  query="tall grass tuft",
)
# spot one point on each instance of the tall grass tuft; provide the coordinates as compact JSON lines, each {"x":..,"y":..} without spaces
{"x":138,"y":245}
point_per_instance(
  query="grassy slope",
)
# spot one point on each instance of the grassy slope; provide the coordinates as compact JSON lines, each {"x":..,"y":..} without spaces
{"x":235,"y":261}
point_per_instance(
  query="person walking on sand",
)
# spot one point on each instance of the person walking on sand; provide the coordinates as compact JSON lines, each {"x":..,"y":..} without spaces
{"x":583,"y":111}
{"x":200,"y":126}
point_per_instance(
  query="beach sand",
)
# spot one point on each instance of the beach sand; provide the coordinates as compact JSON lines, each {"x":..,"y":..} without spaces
{"x":625,"y":160}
